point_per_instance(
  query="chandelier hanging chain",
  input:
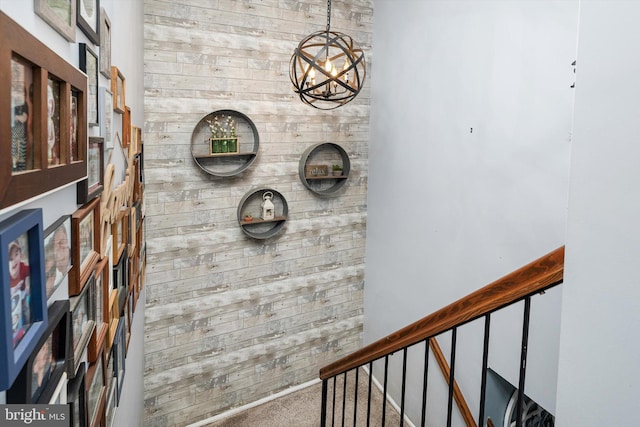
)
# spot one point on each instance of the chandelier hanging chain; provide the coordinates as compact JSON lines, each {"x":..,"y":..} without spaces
{"x":328,"y":15}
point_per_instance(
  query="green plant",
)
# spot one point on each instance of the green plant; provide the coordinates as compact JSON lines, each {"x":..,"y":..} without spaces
{"x":248,"y":216}
{"x":336,"y":167}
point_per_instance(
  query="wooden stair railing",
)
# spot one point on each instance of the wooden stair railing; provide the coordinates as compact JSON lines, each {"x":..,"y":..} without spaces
{"x":533,"y":278}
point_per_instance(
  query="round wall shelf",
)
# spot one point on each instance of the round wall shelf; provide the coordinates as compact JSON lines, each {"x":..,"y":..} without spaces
{"x":316,"y":168}
{"x":214,"y":156}
{"x":257,"y":227}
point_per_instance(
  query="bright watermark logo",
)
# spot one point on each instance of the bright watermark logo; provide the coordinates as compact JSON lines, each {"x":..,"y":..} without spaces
{"x":34,"y":415}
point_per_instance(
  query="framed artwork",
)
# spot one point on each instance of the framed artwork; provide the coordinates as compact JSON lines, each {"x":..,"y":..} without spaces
{"x":118,"y":83}
{"x":82,"y":323}
{"x":92,"y":186}
{"x":85,"y":235}
{"x":88,"y":17}
{"x":89,"y":64}
{"x":109,"y":370}
{"x":105,"y":44}
{"x":96,"y":391}
{"x":59,"y":14}
{"x":105,"y":110}
{"x":126,"y":127}
{"x":119,"y":233}
{"x":77,"y":398}
{"x":23,"y":299}
{"x":133,"y":228}
{"x":111,"y":404}
{"x":57,"y":253}
{"x":120,"y":280}
{"x":115,"y":318}
{"x":59,"y":396}
{"x":100,"y":308}
{"x":119,"y":351}
{"x":43,"y":102}
{"x":41,"y":374}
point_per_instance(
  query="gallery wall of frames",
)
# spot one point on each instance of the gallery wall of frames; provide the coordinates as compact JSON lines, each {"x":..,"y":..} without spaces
{"x":71,"y":287}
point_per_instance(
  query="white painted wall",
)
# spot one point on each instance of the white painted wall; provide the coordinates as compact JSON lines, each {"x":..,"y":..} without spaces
{"x":451,"y":209}
{"x":127,"y":44}
{"x":599,"y":373}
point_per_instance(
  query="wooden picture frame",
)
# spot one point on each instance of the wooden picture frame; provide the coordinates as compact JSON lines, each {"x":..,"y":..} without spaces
{"x":88,"y":19}
{"x":119,"y":233}
{"x":53,"y":13}
{"x":120,"y":352}
{"x":23,"y":298}
{"x":83,"y":323}
{"x":133,"y":230}
{"x":41,"y":374}
{"x":101,"y":309}
{"x":77,"y":398}
{"x":39,"y":90}
{"x":92,"y":186}
{"x":126,"y":127}
{"x":114,"y":314}
{"x":105,"y":108}
{"x":111,"y":404}
{"x":121,"y":279}
{"x":85,"y":249}
{"x":118,"y":89}
{"x":57,"y":253}
{"x":105,"y":44}
{"x":88,"y":62}
{"x":96,"y":391}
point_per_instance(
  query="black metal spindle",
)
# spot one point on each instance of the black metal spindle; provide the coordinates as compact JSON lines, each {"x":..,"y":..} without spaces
{"x":323,"y":414}
{"x":485,"y":363}
{"x":344,"y":397}
{"x":424,"y":383}
{"x":333,"y":409}
{"x":355,"y":398}
{"x":369,"y":394}
{"x":404,"y":384}
{"x":454,"y":333}
{"x":523,"y":360}
{"x":384,"y":393}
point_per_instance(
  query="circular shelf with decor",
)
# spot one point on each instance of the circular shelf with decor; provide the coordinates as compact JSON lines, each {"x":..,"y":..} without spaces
{"x":324,"y":168}
{"x":262,"y":213}
{"x":225,"y":143}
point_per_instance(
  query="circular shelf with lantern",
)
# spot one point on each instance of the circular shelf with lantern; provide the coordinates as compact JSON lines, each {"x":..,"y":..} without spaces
{"x":262,"y":213}
{"x":324,"y":168}
{"x":224,"y":143}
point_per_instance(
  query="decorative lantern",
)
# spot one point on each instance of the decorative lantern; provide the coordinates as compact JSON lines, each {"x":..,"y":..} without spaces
{"x":268,"y":210}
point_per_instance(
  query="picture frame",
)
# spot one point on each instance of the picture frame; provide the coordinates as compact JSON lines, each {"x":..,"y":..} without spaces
{"x":105,"y":110}
{"x":133,"y":230}
{"x":92,"y":186}
{"x":96,"y":391}
{"x":88,"y":62}
{"x":88,"y":19}
{"x":105,"y":44}
{"x":85,"y":235}
{"x":82,"y":324}
{"x":60,"y":15}
{"x":118,"y":89}
{"x":77,"y":398}
{"x":111,"y":404}
{"x":57,"y":253}
{"x":120,"y":351}
{"x":120,"y":280}
{"x":24,"y":321}
{"x":59,"y":396}
{"x":126,"y":127}
{"x":100,"y":302}
{"x":42,"y":372}
{"x":38,"y":99}
{"x":115,"y":318}
{"x":119,"y":232}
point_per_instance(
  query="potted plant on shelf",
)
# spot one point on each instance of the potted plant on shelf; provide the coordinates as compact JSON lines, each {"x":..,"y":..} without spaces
{"x":248,"y":217}
{"x":336,"y":170}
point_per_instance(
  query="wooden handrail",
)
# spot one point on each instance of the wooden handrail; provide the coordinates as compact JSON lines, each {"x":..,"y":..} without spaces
{"x":532,"y":278}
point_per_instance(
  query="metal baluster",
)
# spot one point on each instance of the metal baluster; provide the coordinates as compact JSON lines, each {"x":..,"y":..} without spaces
{"x":404,"y":383}
{"x":344,"y":397}
{"x":424,"y":384}
{"x":355,"y":398}
{"x":323,"y":414}
{"x":485,"y":363}
{"x":523,"y":360}
{"x":369,"y":393}
{"x":333,"y":409}
{"x":384,"y":393}
{"x":451,"y":375}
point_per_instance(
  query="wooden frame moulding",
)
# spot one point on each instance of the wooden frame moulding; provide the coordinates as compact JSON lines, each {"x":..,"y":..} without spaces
{"x":85,"y":232}
{"x":37,"y":155}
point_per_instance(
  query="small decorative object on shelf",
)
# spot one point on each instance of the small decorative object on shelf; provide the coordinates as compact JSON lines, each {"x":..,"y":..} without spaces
{"x":248,"y":217}
{"x":223,"y":135}
{"x":336,"y":170}
{"x":267,"y":205}
{"x":324,"y":169}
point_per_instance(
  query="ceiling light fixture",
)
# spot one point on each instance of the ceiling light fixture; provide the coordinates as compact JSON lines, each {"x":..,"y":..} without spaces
{"x":327,"y":68}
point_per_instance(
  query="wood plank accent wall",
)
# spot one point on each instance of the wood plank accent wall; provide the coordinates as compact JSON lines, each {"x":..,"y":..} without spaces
{"x":230,"y":320}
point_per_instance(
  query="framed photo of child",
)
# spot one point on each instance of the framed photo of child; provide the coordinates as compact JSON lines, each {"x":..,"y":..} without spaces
{"x":85,"y":233}
{"x":23,"y":307}
{"x":41,"y":374}
{"x":57,"y":253}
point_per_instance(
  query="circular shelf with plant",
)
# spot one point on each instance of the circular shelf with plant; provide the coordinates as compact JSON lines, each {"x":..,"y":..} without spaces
{"x":225,"y":143}
{"x":324,"y":168}
{"x":262,"y":213}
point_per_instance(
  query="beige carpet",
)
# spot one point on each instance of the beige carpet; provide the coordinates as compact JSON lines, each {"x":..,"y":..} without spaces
{"x":302,"y":408}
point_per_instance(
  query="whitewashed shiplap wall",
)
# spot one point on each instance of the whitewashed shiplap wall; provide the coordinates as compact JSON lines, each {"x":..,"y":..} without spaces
{"x":230,"y":320}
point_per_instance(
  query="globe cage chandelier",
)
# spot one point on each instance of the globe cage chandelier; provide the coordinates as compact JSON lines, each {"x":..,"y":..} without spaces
{"x":327,"y":68}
